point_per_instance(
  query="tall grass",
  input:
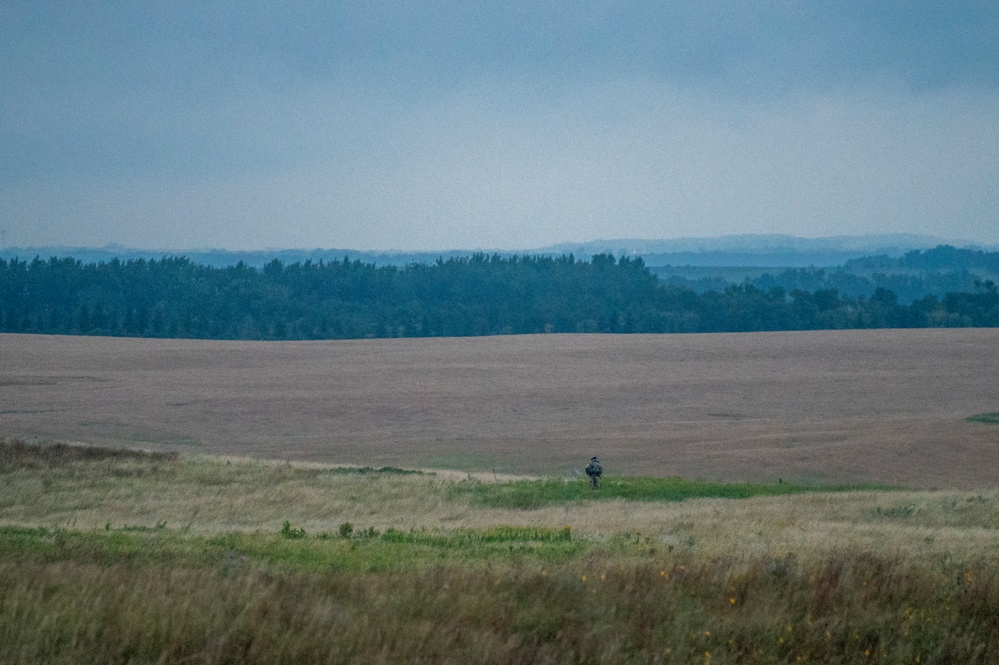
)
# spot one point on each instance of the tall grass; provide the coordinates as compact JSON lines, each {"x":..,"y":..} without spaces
{"x":310,"y":564}
{"x":848,"y":610}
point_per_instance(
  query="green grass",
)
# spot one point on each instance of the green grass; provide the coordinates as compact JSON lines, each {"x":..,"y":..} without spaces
{"x":986,"y":418}
{"x":529,"y":494}
{"x":364,"y":551}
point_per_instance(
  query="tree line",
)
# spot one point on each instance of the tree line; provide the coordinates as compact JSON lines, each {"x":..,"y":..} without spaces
{"x":461,"y":296}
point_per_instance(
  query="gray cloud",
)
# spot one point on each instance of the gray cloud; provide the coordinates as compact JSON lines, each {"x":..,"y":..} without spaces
{"x":433,"y":125}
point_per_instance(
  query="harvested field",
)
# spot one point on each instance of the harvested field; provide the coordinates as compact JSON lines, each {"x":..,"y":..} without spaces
{"x":837,"y":406}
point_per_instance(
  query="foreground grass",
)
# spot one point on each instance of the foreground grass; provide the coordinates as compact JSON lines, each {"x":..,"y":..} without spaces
{"x":124,"y":558}
{"x":195,"y":600}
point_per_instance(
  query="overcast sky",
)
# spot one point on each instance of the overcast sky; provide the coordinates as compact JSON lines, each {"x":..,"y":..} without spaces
{"x":389,"y":124}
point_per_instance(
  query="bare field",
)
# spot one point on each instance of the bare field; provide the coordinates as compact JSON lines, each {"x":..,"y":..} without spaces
{"x":843,"y":406}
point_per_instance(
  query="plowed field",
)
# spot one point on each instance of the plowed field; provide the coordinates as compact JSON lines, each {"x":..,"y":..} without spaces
{"x":843,"y":406}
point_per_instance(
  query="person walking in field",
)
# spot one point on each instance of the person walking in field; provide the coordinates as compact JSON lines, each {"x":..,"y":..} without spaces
{"x":594,"y":470}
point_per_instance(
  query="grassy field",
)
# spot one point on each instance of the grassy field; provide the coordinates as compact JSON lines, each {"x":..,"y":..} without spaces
{"x":112,"y":556}
{"x":820,"y":497}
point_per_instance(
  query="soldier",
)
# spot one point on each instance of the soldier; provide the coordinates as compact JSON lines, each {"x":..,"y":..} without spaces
{"x":594,"y":470}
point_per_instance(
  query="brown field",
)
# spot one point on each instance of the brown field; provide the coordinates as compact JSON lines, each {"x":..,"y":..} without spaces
{"x":842,"y":406}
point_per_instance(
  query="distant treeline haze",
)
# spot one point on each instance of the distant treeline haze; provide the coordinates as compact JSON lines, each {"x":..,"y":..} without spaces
{"x":912,"y":276}
{"x":477,"y":295}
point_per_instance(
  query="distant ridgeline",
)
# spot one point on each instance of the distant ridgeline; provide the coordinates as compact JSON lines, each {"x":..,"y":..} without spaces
{"x":477,"y":295}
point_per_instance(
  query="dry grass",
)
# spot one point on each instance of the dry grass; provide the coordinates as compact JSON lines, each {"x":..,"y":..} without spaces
{"x":867,"y":611}
{"x":210,"y":496}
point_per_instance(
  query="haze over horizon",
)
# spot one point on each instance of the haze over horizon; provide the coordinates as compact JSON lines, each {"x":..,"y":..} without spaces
{"x":733,"y":243}
{"x":422,"y":126}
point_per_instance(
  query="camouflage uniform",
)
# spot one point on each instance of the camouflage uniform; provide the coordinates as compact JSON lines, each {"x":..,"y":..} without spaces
{"x":594,"y":470}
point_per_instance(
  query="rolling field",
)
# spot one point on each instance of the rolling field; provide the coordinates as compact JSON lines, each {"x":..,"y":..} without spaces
{"x":885,"y":407}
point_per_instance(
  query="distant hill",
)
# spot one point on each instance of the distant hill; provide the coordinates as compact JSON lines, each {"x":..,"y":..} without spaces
{"x":755,"y":243}
{"x":942,"y":257}
{"x":773,"y":250}
{"x":769,"y":251}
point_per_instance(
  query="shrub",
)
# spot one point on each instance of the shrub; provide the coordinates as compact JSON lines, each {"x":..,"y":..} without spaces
{"x":287,"y":531}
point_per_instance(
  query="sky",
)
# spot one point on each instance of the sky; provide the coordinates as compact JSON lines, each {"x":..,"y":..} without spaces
{"x":392,"y":124}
